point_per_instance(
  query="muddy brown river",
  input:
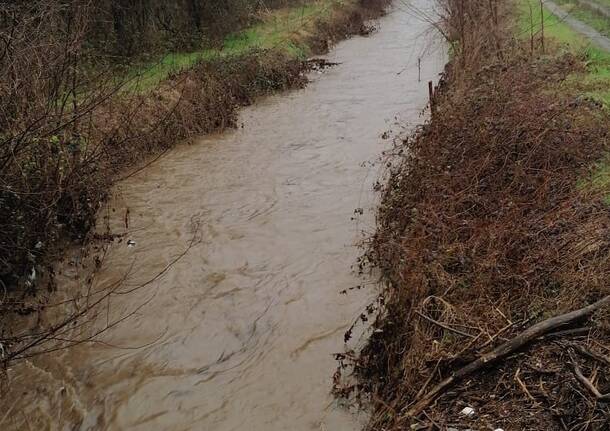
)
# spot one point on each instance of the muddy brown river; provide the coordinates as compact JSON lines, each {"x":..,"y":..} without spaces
{"x":240,"y":333}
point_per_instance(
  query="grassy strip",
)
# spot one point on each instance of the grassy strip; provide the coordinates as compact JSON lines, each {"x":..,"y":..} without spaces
{"x":286,"y":30}
{"x":593,"y":82}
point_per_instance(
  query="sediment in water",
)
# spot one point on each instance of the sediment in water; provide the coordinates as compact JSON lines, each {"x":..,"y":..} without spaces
{"x":241,"y":331}
{"x":125,"y":131}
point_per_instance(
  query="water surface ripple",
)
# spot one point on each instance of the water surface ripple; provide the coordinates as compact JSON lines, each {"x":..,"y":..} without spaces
{"x":247,"y":322}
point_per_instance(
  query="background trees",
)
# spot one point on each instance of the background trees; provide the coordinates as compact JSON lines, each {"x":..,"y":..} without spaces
{"x":125,"y":27}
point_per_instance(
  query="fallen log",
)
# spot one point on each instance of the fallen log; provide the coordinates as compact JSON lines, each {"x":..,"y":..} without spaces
{"x":503,"y":350}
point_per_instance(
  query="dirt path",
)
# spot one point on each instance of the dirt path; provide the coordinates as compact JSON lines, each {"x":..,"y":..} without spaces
{"x":579,"y":26}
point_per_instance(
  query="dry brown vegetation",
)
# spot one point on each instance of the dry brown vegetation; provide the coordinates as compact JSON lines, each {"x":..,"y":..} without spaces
{"x":485,"y":230}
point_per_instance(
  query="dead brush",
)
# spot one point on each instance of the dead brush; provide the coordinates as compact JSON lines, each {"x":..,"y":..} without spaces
{"x":486,"y":229}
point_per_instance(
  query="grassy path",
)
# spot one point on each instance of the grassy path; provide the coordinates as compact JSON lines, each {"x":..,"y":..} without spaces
{"x":595,"y":82}
{"x":591,"y":12}
{"x":597,"y":7}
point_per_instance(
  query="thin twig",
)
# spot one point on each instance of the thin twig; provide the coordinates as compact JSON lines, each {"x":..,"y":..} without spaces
{"x":586,"y":382}
{"x":444,"y":326}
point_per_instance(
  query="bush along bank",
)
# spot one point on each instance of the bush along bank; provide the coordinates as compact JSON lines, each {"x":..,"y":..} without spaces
{"x":71,"y":132}
{"x":493,"y":242}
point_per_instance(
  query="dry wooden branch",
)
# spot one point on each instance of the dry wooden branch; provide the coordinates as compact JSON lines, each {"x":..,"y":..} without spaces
{"x":586,"y":382}
{"x":591,"y":354}
{"x":428,"y":380}
{"x":571,"y":332}
{"x":505,"y":349}
{"x":496,"y":335}
{"x":444,"y":326}
{"x":523,"y":386}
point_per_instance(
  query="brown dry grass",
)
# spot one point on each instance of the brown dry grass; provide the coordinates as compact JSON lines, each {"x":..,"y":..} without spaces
{"x":482,"y":232}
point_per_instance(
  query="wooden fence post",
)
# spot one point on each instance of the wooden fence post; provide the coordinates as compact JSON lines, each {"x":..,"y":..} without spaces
{"x":542,"y":23}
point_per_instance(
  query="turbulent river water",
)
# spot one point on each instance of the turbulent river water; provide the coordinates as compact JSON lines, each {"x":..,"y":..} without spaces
{"x":240,"y":333}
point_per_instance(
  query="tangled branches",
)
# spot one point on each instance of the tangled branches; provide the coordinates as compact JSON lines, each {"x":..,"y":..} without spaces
{"x":487,"y":226}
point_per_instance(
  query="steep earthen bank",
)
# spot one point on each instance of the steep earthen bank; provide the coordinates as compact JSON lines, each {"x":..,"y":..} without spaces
{"x":489,"y":225}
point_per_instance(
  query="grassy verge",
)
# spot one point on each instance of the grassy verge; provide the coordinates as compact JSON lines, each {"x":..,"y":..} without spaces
{"x":593,"y":81}
{"x":287,"y":30}
{"x":485,"y":229}
{"x":580,"y":11}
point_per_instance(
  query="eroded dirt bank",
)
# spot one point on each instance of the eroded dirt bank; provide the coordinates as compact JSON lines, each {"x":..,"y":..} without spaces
{"x":240,"y":333}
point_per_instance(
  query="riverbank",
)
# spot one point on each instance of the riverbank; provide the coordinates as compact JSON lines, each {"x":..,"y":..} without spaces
{"x":298,"y":32}
{"x":58,"y":170}
{"x":494,"y":221}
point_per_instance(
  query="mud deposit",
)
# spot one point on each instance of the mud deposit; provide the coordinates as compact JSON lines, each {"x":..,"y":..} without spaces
{"x":239,"y":334}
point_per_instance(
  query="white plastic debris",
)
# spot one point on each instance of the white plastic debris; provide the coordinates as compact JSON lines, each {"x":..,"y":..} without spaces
{"x":31,"y":278}
{"x":131,"y":243}
{"x":498,"y":429}
{"x":467,"y":411}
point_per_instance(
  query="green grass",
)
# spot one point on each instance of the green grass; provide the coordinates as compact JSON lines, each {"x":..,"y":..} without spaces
{"x":530,"y":20}
{"x":594,"y":83}
{"x":147,"y":76}
{"x":603,"y":2}
{"x":282,"y":29}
